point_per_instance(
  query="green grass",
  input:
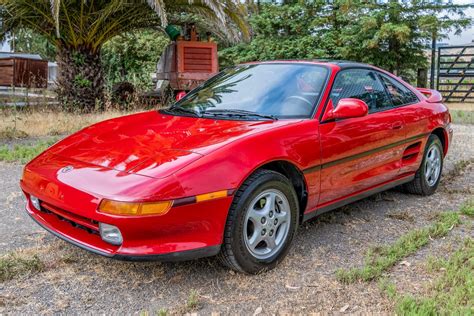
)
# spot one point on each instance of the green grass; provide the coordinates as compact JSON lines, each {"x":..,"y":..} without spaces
{"x":462,"y":117}
{"x":23,"y":153}
{"x":14,"y":264}
{"x":451,"y":294}
{"x":468,"y":208}
{"x":193,"y":300}
{"x":382,"y":258}
{"x":162,"y":312}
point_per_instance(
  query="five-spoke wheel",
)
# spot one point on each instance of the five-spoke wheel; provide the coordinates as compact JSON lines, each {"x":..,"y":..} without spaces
{"x":267,"y":223}
{"x":433,"y":165}
{"x":261,"y":223}
{"x":428,"y":175}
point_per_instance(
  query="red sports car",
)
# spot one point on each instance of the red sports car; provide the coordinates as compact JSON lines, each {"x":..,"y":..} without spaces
{"x":236,"y":165}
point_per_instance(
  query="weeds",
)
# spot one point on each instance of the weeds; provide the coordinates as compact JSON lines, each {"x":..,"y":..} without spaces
{"x":162,"y":312}
{"x":468,"y":208}
{"x":193,"y":300}
{"x":382,"y":258}
{"x":23,"y":153}
{"x":15,"y":264}
{"x":451,"y":294}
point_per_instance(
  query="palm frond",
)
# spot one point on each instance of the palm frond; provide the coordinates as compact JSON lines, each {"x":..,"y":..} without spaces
{"x":55,"y":6}
{"x":159,"y":7}
{"x":92,"y":22}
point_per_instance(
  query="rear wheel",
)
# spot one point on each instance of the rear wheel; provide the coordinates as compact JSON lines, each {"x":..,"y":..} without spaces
{"x":261,"y":224}
{"x":428,"y":175}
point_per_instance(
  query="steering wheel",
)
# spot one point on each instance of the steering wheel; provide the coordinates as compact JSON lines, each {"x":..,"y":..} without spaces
{"x":295,"y":105}
{"x":297,"y":97}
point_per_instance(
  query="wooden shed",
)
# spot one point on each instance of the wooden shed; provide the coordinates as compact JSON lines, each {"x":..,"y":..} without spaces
{"x":27,"y":71}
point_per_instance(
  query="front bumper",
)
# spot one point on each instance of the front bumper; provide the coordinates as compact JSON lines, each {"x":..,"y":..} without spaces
{"x":167,"y":257}
{"x":185,"y":232}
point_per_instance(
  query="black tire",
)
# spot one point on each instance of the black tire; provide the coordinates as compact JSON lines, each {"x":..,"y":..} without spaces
{"x":420,"y":185}
{"x":234,"y":252}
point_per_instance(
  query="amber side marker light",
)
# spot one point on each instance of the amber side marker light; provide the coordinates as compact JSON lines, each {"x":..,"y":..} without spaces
{"x":135,"y":209}
{"x":211,"y":196}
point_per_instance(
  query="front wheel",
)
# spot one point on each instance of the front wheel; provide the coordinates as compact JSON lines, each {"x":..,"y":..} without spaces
{"x":261,"y":224}
{"x":428,"y":175}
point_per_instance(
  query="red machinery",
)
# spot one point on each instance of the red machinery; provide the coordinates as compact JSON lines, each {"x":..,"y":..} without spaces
{"x":186,"y":63}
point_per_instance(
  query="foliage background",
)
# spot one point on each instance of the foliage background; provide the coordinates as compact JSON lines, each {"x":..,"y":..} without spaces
{"x":133,"y":57}
{"x":393,"y":35}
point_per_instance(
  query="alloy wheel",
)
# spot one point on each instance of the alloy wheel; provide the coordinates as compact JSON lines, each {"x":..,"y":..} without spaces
{"x":433,"y":165}
{"x":267,"y":223}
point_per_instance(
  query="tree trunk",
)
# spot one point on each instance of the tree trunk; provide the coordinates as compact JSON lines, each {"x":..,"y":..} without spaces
{"x":80,"y":79}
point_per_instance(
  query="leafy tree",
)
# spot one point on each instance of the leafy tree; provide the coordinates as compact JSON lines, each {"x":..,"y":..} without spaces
{"x":391,"y":34}
{"x":79,"y":29}
{"x":25,"y":41}
{"x":280,"y":32}
{"x":395,"y":34}
{"x":133,"y":57}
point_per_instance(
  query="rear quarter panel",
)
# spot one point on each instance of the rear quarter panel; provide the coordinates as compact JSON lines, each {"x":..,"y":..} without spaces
{"x":425,"y":118}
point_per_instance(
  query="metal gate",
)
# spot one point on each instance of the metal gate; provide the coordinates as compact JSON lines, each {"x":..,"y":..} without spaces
{"x":456,"y":73}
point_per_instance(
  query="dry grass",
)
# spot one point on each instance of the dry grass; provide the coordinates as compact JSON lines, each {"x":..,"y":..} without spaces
{"x":36,"y":123}
{"x":464,"y":106}
{"x":402,"y":216}
{"x":19,"y":263}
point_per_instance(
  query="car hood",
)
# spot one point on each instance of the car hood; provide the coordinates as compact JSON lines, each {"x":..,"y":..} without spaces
{"x":154,"y":144}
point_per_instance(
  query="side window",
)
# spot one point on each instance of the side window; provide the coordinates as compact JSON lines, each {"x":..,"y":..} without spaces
{"x":360,"y":84}
{"x":399,"y":94}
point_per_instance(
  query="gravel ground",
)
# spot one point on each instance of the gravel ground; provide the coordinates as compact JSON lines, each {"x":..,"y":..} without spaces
{"x":77,"y":282}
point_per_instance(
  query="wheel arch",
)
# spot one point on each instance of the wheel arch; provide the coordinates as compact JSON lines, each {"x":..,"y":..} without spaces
{"x":443,"y":137}
{"x":296,"y":177}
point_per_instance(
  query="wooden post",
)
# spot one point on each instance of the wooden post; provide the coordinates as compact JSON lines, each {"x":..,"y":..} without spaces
{"x":422,"y":78}
{"x":433,"y":60}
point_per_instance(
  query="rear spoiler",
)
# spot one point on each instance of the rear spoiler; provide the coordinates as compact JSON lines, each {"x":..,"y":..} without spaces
{"x":432,"y":96}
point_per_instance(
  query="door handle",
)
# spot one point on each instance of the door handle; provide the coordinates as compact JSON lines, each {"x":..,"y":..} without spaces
{"x":397,"y":125}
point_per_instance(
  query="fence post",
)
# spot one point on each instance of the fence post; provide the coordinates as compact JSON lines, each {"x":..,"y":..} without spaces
{"x":422,"y":78}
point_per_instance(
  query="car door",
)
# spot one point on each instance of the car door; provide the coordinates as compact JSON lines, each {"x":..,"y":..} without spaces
{"x":364,"y":152}
{"x":415,"y":116}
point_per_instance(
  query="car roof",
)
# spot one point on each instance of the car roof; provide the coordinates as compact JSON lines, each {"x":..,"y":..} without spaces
{"x":342,"y":64}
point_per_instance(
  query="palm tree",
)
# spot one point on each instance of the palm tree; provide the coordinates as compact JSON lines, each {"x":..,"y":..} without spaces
{"x":79,"y":28}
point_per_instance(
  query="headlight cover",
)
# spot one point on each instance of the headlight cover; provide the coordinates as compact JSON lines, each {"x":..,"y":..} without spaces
{"x":134,"y":209}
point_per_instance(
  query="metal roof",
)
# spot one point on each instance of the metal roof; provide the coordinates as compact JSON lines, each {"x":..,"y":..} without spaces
{"x":20,"y":55}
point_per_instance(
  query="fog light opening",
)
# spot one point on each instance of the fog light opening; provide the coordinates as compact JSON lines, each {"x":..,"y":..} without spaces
{"x":36,"y":202}
{"x":110,"y":234}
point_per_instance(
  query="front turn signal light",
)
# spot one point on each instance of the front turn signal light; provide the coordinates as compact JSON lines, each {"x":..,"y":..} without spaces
{"x":134,"y":209}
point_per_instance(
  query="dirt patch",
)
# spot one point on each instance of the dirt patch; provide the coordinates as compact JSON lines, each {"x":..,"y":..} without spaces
{"x":77,"y":281}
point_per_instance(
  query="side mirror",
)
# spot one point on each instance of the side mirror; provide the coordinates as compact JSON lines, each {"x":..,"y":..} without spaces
{"x":348,"y":108}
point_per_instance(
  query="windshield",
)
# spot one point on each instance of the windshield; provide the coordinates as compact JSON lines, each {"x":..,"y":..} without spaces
{"x":261,"y":90}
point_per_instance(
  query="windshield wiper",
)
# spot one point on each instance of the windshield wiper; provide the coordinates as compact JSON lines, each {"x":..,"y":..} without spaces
{"x":241,"y":113}
{"x":177,"y":109}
